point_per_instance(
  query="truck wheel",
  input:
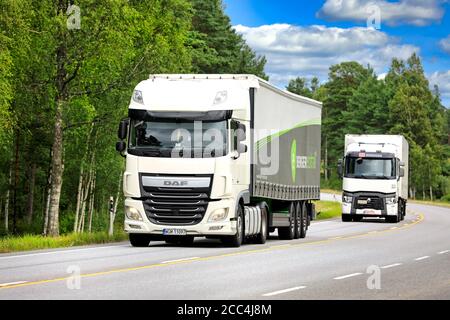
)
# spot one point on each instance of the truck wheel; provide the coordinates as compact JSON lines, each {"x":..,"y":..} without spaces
{"x":139,"y":240}
{"x":392,"y":219}
{"x":304,"y":220}
{"x":287,"y":233}
{"x":298,"y":220}
{"x":346,"y":218}
{"x":403,"y":211}
{"x":238,"y":239}
{"x":261,"y":238}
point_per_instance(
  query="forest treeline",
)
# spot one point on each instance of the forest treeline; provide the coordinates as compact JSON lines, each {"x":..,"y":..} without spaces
{"x":356,"y":101}
{"x":64,"y":89}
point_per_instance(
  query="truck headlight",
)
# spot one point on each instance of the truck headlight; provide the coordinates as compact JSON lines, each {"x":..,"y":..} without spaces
{"x":218,"y":215}
{"x":137,"y":97}
{"x":133,"y":214}
{"x":391,"y":200}
{"x":347,"y":199}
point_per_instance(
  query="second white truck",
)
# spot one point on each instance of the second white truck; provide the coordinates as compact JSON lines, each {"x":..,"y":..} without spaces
{"x":375,"y":177}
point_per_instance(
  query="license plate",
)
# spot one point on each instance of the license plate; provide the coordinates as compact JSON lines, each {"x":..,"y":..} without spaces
{"x":174,"y":232}
{"x":370,"y":212}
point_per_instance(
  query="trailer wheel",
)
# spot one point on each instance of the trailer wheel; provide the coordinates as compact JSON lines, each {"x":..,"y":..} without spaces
{"x":139,"y":240}
{"x":261,"y":238}
{"x":298,"y":220}
{"x":304,"y":220}
{"x":238,"y":239}
{"x":287,"y":233}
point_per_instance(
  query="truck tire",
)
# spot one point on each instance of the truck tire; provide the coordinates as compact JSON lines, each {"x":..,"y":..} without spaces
{"x":403,"y":211}
{"x":346,"y":218}
{"x":392,"y":219}
{"x":303,"y":220}
{"x":261,"y":238}
{"x":287,"y":233}
{"x":238,"y":239}
{"x":298,"y":220}
{"x":139,"y":240}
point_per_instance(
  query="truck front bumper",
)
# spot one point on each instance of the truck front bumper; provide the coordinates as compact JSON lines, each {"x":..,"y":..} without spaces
{"x":369,"y":204}
{"x":204,"y":228}
{"x":390,"y":210}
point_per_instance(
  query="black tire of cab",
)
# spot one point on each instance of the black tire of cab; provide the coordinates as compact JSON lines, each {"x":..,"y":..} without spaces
{"x":236,"y":240}
{"x":139,"y":240}
{"x":262,"y":237}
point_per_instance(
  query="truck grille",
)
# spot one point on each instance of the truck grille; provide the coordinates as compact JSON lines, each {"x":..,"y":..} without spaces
{"x":365,"y":202}
{"x":176,"y":206}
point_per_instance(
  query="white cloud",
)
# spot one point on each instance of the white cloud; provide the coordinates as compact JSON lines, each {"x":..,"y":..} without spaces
{"x":442,"y":79}
{"x":412,"y":12}
{"x":293,"y":51}
{"x":445,"y":44}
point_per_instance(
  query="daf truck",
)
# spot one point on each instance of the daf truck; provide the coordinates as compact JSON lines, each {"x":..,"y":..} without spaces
{"x":227,"y":157}
{"x":375,"y":177}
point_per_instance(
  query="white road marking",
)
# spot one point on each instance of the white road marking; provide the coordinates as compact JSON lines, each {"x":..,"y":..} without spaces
{"x":57,"y":252}
{"x":422,"y":258}
{"x":394,"y":228}
{"x":180,"y":260}
{"x":283,"y":291}
{"x":391,"y":266}
{"x":444,"y":252}
{"x":335,"y":238}
{"x":11,"y":283}
{"x":348,"y":276}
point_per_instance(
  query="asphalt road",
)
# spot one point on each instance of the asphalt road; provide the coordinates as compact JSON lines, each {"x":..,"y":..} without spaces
{"x":367,"y":260}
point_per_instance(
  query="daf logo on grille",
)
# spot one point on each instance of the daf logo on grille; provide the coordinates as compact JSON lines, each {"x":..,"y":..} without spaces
{"x":168,"y":183}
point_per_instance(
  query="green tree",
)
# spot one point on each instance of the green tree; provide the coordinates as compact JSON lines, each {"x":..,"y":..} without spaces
{"x":217,"y":47}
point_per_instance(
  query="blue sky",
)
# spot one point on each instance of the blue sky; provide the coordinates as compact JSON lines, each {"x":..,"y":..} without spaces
{"x":302,"y":38}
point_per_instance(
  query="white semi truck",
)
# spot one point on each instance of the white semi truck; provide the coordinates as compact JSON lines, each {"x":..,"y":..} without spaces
{"x":375,"y":177}
{"x":229,"y":157}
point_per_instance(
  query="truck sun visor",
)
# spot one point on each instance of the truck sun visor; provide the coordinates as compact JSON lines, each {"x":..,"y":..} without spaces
{"x":180,"y":116}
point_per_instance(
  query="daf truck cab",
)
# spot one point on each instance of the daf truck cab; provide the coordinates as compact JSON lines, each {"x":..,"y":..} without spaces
{"x":228,"y":157}
{"x":375,"y":177}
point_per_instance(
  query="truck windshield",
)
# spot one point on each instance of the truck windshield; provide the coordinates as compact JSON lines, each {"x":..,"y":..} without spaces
{"x":196,"y":139}
{"x":369,"y":168}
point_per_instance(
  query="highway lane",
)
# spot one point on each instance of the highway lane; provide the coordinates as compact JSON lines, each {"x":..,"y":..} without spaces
{"x":412,"y":259}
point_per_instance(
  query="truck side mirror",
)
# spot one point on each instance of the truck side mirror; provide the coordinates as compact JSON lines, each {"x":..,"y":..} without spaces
{"x":241,"y":135}
{"x":340,"y":168}
{"x":401,"y":172}
{"x":123,"y":129}
{"x":121,"y":146}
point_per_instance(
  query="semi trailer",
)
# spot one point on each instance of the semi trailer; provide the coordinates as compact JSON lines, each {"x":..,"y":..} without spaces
{"x":227,"y":157}
{"x":375,"y":177}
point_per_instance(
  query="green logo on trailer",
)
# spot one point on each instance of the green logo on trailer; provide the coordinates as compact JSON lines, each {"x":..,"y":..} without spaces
{"x":294,"y":160}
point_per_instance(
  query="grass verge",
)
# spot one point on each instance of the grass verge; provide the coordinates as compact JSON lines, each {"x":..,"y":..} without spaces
{"x":328,"y":209}
{"x":35,"y":242}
